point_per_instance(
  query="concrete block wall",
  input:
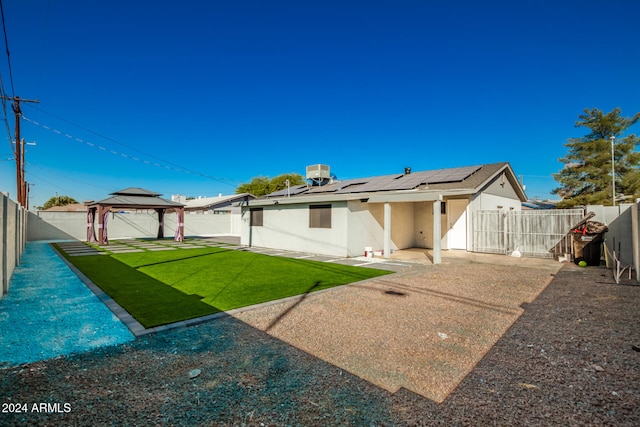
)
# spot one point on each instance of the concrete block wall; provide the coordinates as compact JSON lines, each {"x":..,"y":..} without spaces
{"x":619,"y":222}
{"x":73,"y":225}
{"x":13,"y":234}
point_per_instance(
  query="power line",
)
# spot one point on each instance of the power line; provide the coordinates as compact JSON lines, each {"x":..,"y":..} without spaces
{"x":44,"y":45}
{"x":6,"y":44}
{"x":75,"y":180}
{"x":167,"y":166}
{"x":69,"y":192}
{"x":4,"y":109}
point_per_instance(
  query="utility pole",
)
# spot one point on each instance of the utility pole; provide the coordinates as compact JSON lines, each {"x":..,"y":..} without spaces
{"x":613,"y":171}
{"x":19,"y":148}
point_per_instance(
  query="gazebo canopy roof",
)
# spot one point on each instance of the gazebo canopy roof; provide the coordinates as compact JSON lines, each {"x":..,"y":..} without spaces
{"x":135,"y":191}
{"x":134,"y":197}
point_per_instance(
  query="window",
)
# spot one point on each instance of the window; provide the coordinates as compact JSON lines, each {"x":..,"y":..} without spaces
{"x":256,"y":217}
{"x":443,"y":208}
{"x":320,"y":216}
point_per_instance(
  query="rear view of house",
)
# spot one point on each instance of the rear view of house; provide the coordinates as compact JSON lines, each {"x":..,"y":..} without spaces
{"x":430,"y":209}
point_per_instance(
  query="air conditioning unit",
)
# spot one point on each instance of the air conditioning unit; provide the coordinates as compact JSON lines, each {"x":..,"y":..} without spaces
{"x":318,"y":172}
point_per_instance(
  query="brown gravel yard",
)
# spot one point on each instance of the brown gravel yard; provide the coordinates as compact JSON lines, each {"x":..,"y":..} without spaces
{"x":423,"y":330}
{"x":558,"y":353}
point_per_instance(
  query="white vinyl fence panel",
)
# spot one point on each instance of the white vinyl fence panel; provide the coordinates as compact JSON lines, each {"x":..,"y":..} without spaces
{"x":532,"y":233}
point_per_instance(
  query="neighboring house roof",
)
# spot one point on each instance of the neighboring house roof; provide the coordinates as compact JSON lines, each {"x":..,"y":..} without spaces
{"x":213,"y":202}
{"x":71,"y":207}
{"x":539,"y":204}
{"x":137,"y":198}
{"x":426,"y":185}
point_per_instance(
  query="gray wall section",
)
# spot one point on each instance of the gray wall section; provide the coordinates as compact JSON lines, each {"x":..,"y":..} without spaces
{"x":13,"y":220}
{"x":620,"y":230}
{"x":73,"y":225}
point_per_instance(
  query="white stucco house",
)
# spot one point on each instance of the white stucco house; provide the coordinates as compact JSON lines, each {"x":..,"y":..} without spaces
{"x":386,"y":213}
{"x":220,"y":209}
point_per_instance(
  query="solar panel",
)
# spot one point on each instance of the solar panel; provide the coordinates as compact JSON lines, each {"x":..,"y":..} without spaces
{"x":453,"y":174}
{"x":296,"y":189}
{"x":372,"y":184}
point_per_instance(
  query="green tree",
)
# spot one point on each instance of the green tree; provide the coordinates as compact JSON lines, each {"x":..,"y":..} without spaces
{"x":58,"y":201}
{"x":586,"y":175}
{"x":263,"y":185}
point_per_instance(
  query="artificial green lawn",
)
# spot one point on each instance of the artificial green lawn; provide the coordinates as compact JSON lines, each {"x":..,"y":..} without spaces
{"x":168,"y":286}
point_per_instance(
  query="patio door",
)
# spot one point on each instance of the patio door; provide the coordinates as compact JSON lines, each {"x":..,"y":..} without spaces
{"x":456,"y":224}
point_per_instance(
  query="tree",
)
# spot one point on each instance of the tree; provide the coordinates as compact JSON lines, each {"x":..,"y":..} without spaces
{"x":586,"y":175}
{"x":58,"y":201}
{"x":263,"y":185}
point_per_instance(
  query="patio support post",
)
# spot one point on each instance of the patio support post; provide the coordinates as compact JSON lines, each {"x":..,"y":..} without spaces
{"x":437,"y":230}
{"x":387,"y":230}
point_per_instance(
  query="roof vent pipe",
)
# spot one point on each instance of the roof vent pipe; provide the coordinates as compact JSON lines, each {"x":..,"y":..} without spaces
{"x":407,"y":171}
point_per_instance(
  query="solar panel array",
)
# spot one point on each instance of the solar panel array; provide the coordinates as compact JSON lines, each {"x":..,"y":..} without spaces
{"x":386,"y":182}
{"x":413,"y":180}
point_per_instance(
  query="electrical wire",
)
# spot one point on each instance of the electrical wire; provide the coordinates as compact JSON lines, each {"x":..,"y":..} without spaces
{"x":69,"y":191}
{"x":75,"y":180}
{"x":5,"y":118}
{"x":44,"y":46}
{"x":6,"y":43}
{"x":168,"y":165}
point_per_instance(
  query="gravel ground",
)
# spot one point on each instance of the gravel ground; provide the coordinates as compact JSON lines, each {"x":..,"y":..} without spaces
{"x":570,"y":359}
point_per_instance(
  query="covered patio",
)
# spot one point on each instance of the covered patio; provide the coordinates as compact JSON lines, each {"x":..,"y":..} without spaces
{"x":132,"y":198}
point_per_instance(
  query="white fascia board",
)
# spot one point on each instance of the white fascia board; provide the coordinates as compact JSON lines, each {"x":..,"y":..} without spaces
{"x":316,"y":198}
{"x":416,"y":196}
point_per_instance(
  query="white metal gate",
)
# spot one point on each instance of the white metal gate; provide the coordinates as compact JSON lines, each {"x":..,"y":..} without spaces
{"x":533,"y":233}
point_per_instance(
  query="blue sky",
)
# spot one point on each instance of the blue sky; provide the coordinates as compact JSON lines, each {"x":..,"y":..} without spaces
{"x":208,"y":94}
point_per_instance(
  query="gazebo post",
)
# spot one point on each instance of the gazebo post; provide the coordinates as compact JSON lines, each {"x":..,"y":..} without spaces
{"x":160,"y":223}
{"x":102,"y":226}
{"x":179,"y":237}
{"x":91,"y":231}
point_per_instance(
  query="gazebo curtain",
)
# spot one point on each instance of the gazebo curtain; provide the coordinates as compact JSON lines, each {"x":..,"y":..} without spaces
{"x":105,"y":218}
{"x":91,"y":231}
{"x":179,"y":237}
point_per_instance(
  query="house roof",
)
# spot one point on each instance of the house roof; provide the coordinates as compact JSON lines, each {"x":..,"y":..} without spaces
{"x":136,"y":198}
{"x":209,"y":202}
{"x":71,"y":207}
{"x":415,"y":186}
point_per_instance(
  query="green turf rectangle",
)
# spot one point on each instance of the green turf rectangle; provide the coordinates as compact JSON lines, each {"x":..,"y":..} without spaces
{"x":165,"y":287}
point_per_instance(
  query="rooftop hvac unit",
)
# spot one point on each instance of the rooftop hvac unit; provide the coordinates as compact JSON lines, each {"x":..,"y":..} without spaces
{"x":318,"y":174}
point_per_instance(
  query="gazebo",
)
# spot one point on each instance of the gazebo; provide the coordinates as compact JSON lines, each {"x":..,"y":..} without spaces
{"x":132,"y":198}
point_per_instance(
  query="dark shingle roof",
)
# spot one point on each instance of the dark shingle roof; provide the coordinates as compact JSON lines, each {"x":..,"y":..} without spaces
{"x":134,"y":197}
{"x":467,"y":177}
